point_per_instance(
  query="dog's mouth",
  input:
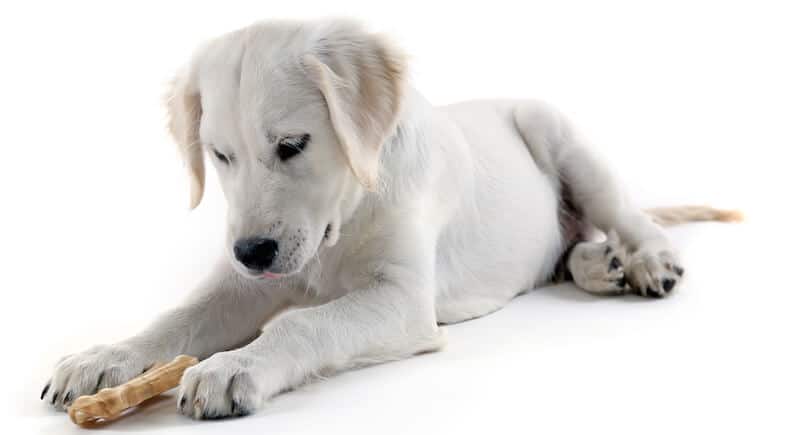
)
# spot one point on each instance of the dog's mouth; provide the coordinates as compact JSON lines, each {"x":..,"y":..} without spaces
{"x":331,"y":235}
{"x":260,"y":275}
{"x":270,"y":275}
{"x":329,"y":238}
{"x":255,"y":274}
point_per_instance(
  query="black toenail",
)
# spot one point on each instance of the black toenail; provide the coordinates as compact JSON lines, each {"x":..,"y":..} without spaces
{"x":55,"y":397}
{"x":44,"y":391}
{"x":209,"y":416}
{"x":236,"y":409}
{"x":182,"y":402}
{"x":652,"y":293}
{"x":668,"y":284}
{"x":615,"y":264}
{"x":608,"y":250}
{"x":621,"y":282}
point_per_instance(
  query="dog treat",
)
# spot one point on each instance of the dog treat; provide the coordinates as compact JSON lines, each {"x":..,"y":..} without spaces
{"x":109,"y":403}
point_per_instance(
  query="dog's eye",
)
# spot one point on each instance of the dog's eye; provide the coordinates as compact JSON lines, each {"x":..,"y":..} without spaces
{"x":291,"y":146}
{"x":221,"y":157}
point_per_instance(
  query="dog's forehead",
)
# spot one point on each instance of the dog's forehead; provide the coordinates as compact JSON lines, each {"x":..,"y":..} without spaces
{"x":256,"y":75}
{"x":216,"y":73}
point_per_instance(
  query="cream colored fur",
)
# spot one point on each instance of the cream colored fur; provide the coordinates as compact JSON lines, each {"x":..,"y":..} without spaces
{"x":395,"y":217}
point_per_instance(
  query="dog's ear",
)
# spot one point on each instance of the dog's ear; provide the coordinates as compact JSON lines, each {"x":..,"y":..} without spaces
{"x":362,"y":78}
{"x":184,"y":111}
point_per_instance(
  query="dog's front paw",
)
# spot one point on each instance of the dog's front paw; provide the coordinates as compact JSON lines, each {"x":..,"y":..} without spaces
{"x":222,"y":386}
{"x":87,"y":372}
{"x":653,"y":274}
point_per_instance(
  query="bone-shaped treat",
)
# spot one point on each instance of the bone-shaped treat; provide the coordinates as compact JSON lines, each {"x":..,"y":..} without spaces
{"x":109,"y":403}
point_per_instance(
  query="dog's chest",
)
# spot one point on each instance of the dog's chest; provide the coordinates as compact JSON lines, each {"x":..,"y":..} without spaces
{"x":338,"y":270}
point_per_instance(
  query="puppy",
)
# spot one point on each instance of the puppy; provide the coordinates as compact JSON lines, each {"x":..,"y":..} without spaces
{"x":361,"y":218}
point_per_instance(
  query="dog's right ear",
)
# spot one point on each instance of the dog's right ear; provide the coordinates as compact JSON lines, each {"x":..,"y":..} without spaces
{"x":362,"y":77}
{"x":184,"y":111}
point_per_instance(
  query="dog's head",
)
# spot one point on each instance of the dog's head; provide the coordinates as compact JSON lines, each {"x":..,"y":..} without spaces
{"x":293,"y":117}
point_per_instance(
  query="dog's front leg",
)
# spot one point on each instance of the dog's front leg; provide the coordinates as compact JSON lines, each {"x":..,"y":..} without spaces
{"x":223,"y":313}
{"x":390,"y":319}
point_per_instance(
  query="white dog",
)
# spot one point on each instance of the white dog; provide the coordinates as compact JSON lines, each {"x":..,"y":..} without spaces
{"x":361,"y":218}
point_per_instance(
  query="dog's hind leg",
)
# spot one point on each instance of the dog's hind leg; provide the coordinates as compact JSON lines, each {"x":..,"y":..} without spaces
{"x":648,"y":261}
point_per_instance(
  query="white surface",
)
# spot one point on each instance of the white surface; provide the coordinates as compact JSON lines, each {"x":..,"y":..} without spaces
{"x":695,"y":102}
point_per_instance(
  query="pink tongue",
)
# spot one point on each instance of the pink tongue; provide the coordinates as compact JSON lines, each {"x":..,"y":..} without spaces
{"x":271,"y":275}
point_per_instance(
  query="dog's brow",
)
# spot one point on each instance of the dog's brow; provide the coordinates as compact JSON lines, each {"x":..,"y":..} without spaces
{"x":277,"y":117}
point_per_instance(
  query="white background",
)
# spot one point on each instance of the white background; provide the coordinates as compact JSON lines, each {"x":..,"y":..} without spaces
{"x":693,"y":102}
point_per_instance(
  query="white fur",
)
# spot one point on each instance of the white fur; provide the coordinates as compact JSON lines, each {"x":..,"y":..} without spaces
{"x":437,"y":215}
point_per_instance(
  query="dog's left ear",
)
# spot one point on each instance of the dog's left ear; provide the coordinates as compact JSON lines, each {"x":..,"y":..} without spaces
{"x":184,"y":111}
{"x":362,"y":78}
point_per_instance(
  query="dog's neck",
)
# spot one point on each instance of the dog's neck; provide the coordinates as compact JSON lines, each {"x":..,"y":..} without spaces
{"x":406,"y":160}
{"x":406,"y":154}
{"x":415,"y":156}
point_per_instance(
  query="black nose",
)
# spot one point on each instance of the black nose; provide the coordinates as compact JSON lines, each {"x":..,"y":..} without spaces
{"x":256,"y":254}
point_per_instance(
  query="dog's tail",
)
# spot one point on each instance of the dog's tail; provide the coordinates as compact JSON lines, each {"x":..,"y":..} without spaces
{"x":671,"y":216}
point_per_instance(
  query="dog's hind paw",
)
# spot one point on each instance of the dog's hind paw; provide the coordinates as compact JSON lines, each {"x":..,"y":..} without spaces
{"x":599,"y":267}
{"x":653,"y":274}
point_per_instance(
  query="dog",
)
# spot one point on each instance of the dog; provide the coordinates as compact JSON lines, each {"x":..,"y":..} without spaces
{"x":361,"y":219}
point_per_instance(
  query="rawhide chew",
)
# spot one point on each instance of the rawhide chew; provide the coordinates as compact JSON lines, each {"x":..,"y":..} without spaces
{"x":109,"y":403}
